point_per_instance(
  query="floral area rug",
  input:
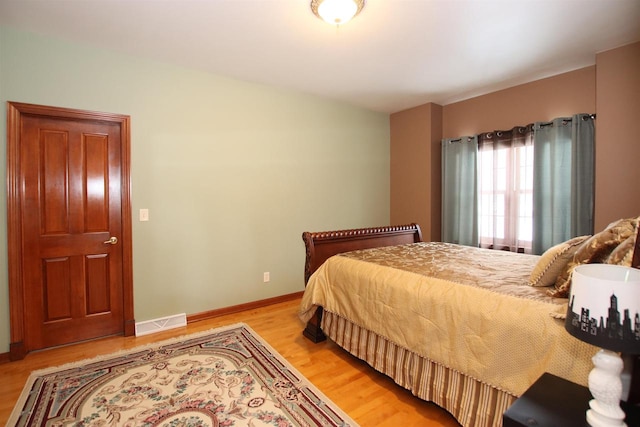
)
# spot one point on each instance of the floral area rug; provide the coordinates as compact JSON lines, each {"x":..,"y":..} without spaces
{"x":224,"y":377}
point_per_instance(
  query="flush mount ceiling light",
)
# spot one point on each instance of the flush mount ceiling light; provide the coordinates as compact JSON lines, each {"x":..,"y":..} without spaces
{"x":336,"y":12}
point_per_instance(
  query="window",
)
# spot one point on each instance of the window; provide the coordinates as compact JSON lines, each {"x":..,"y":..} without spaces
{"x":505,"y":190}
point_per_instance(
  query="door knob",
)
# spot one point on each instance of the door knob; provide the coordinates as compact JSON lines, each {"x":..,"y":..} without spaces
{"x":112,"y":241}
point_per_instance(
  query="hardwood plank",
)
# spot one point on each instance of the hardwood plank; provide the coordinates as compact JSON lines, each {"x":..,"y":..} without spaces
{"x":370,"y":398}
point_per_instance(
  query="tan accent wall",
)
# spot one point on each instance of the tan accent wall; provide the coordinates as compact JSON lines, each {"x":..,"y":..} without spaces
{"x":415,"y":168}
{"x":546,"y":99}
{"x":611,"y":89}
{"x":617,"y":141}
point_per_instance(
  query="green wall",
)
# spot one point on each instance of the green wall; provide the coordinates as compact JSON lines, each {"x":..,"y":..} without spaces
{"x":232,"y":172}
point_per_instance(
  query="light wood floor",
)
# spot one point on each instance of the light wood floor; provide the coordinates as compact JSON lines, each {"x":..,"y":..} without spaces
{"x":369,"y":397}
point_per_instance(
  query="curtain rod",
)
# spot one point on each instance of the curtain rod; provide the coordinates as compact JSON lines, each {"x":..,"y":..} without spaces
{"x":451,"y":141}
{"x":569,"y":119}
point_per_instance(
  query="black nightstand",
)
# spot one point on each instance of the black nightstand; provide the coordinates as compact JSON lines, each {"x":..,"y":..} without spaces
{"x":555,"y":402}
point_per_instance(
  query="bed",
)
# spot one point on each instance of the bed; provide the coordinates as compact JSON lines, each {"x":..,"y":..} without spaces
{"x":469,"y":329}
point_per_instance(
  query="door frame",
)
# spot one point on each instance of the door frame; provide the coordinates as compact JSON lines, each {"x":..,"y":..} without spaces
{"x":15,"y":110}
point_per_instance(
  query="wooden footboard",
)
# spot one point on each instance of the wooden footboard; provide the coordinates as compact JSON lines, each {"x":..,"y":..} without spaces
{"x":322,"y":245}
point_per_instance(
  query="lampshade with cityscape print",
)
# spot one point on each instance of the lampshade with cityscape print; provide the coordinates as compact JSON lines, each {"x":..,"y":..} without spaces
{"x":604,"y":310}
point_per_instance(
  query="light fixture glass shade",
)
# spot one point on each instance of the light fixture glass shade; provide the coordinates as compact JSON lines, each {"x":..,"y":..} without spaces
{"x":604,"y":307}
{"x":336,"y":12}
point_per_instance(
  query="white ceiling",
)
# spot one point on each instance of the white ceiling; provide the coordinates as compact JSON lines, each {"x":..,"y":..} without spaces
{"x":396,"y":54}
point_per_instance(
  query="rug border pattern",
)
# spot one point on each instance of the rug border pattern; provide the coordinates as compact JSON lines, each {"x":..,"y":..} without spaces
{"x":310,"y":392}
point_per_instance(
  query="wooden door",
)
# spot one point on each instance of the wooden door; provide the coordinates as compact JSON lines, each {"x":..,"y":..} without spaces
{"x":69,"y":226}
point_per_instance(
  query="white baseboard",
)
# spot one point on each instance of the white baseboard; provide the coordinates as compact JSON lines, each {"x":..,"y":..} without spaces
{"x":161,"y":324}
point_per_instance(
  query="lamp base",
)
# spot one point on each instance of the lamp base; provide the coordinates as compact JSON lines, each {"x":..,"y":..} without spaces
{"x":597,"y":419}
{"x":606,"y":387}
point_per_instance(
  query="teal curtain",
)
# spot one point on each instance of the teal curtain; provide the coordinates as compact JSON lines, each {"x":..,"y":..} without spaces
{"x":563,"y":180}
{"x":459,"y":191}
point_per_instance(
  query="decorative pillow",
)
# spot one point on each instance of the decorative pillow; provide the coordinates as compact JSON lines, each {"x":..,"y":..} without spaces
{"x":595,"y":249}
{"x":623,"y":253}
{"x":553,"y":261}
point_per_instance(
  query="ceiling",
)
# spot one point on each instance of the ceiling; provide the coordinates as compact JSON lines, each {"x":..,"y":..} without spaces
{"x":394,"y":55}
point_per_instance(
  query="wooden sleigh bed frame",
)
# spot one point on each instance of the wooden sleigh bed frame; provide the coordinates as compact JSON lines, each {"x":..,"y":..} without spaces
{"x":320,"y":246}
{"x":323,"y":245}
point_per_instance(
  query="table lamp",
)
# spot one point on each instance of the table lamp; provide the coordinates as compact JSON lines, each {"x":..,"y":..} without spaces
{"x":604,"y":310}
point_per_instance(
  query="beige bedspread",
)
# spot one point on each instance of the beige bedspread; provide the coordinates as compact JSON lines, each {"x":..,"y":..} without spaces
{"x":466,"y":308}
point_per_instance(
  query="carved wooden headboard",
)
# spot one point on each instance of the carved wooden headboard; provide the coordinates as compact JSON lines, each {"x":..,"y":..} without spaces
{"x":322,"y":245}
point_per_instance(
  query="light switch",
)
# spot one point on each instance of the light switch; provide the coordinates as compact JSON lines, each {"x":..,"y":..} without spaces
{"x":144,"y":214}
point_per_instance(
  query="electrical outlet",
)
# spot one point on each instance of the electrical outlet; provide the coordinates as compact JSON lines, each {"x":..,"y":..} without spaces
{"x":265,"y":277}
